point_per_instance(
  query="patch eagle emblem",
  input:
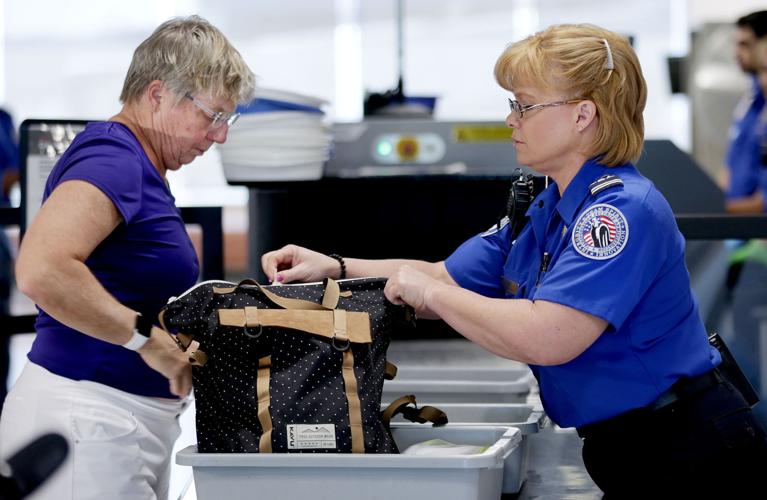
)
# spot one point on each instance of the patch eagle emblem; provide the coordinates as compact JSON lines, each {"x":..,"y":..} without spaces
{"x":601,"y":232}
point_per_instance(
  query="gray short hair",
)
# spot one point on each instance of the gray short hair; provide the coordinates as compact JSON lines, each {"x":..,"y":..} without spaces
{"x":189,"y":55}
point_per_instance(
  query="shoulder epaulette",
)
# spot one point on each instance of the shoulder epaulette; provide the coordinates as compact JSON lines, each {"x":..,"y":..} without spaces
{"x":604,"y":182}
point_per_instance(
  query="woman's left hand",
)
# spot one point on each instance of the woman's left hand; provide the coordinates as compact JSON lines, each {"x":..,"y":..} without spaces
{"x":412,"y":287}
{"x":162,"y":354}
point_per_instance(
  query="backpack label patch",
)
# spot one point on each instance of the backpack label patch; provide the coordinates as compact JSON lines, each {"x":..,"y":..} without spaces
{"x":309,"y":436}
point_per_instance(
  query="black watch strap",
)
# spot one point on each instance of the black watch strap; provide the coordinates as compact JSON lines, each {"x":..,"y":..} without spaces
{"x":144,"y":325}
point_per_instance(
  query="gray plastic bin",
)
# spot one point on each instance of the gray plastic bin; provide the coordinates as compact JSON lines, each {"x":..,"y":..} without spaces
{"x":528,"y":419}
{"x":452,"y":352}
{"x":333,"y":476}
{"x":461,"y":384}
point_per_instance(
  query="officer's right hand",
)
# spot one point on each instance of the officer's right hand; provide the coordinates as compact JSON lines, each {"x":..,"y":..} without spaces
{"x":293,"y":263}
{"x":162,"y":354}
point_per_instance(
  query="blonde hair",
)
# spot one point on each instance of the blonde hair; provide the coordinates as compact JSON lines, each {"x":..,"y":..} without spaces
{"x":189,"y":55}
{"x":585,"y":62}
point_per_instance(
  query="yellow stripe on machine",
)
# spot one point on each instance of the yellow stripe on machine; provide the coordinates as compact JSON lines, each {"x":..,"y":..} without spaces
{"x":482,"y":133}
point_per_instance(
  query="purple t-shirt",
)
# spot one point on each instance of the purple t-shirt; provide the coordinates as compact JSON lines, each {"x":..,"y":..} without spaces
{"x":145,"y":260}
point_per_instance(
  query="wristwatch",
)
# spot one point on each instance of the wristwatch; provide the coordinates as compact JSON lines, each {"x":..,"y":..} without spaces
{"x":141,"y":333}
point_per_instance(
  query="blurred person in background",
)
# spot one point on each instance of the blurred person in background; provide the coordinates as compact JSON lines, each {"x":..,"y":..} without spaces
{"x":761,"y":75}
{"x":9,"y":175}
{"x":745,"y":185}
{"x":100,"y":259}
{"x":740,"y":177}
{"x":747,"y":278}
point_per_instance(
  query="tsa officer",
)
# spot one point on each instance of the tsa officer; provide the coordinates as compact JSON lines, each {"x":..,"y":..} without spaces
{"x":592,"y":292}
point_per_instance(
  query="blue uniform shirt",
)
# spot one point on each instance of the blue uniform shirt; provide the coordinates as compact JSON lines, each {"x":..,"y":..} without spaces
{"x":762,"y":132}
{"x":617,"y":255}
{"x":744,"y":152}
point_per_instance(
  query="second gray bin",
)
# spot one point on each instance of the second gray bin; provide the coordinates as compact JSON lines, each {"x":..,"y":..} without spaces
{"x":458,"y":384}
{"x":528,"y":419}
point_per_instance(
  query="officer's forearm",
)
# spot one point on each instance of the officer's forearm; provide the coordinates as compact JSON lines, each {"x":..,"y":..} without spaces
{"x":541,"y":332}
{"x":384,"y":268}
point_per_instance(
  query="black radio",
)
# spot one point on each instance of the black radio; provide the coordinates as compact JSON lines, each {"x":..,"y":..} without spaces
{"x":524,"y":188}
{"x":731,"y":371}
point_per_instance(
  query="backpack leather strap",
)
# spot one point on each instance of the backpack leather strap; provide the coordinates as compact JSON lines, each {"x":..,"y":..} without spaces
{"x":323,"y":323}
{"x":329,"y":298}
{"x":182,"y":340}
{"x":418,"y":415}
{"x":262,"y":391}
{"x":353,"y":401}
{"x":390,"y":370}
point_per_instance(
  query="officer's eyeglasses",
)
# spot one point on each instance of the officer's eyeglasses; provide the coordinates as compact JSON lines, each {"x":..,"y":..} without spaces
{"x":217,"y":118}
{"x":518,"y":110}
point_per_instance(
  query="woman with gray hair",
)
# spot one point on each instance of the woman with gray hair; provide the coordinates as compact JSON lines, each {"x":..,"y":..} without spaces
{"x":106,"y":250}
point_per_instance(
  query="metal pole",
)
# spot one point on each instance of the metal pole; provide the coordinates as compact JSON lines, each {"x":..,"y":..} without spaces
{"x":761,"y":314}
{"x":400,"y":47}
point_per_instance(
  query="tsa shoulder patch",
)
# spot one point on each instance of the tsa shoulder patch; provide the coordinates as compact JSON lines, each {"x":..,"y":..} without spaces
{"x":601,"y":232}
{"x":496,"y":227}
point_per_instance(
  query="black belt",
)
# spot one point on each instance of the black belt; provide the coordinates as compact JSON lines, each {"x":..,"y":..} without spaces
{"x":684,"y":388}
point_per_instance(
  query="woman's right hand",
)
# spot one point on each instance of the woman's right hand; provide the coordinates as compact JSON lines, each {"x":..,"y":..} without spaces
{"x":293,"y":263}
{"x":162,"y":354}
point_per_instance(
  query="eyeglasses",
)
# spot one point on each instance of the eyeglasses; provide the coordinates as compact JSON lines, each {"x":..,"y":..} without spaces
{"x":519,"y":110}
{"x":218,"y":118}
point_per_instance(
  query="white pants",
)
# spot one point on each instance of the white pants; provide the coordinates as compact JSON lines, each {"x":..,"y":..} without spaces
{"x":120,"y":443}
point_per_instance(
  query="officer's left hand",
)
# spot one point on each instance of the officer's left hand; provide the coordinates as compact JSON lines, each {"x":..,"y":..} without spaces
{"x":410,"y":286}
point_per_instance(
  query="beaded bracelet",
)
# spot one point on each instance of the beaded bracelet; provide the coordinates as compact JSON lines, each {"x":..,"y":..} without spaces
{"x":340,"y":261}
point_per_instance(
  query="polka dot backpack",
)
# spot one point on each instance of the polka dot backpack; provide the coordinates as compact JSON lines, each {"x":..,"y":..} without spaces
{"x":289,"y":368}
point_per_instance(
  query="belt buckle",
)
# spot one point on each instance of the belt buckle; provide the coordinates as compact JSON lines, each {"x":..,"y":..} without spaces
{"x":665,"y":399}
{"x":686,"y":388}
